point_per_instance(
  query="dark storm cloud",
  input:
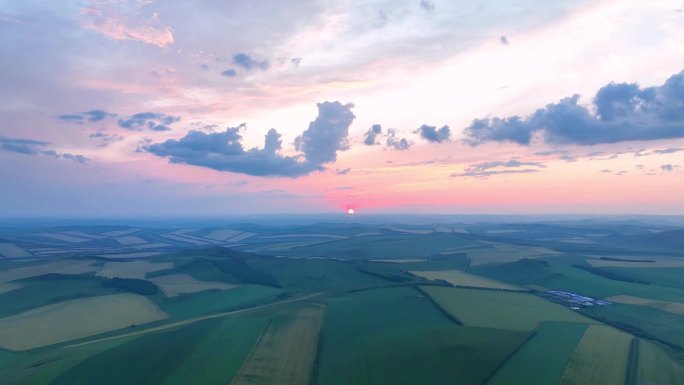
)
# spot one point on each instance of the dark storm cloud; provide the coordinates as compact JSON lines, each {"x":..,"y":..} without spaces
{"x":434,"y":135}
{"x":400,"y":144}
{"x":223,"y":151}
{"x":624,"y":112}
{"x":35,"y":147}
{"x":371,"y":135}
{"x":150,"y":120}
{"x":245,"y":61}
{"x":230,"y":73}
{"x":513,"y":166}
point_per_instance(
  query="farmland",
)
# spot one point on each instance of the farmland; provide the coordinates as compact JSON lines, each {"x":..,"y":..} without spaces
{"x":337,"y":304}
{"x":600,"y":358}
{"x":460,"y":278}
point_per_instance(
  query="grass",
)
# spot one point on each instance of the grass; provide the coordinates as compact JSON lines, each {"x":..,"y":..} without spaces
{"x":285,"y":351}
{"x":75,"y":319}
{"x":460,"y":278}
{"x":207,"y":352}
{"x":499,"y":309}
{"x":501,"y":253}
{"x":396,"y":336}
{"x":656,"y":367}
{"x":542,"y":360}
{"x":601,"y":358}
{"x":66,"y":266}
{"x":671,"y":277}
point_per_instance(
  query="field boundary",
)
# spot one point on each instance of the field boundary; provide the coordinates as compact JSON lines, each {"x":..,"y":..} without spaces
{"x":508,"y":357}
{"x":440,"y":308}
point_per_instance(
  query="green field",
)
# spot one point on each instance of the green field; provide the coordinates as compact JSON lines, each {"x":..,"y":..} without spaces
{"x":460,"y":278}
{"x":656,"y":367}
{"x":197,"y":304}
{"x":206,"y":352}
{"x":601,"y":357}
{"x":542,"y":360}
{"x":500,"y":309}
{"x":396,"y":336}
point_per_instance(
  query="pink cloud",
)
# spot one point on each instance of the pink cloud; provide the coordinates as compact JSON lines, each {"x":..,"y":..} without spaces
{"x":122,"y":21}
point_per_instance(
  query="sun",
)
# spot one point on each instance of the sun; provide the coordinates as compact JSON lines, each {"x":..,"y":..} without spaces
{"x":350,"y":211}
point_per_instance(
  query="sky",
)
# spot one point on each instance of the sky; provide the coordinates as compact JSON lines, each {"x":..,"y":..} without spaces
{"x":160,"y":108}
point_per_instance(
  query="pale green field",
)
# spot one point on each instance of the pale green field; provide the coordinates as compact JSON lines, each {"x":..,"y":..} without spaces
{"x":600,"y":358}
{"x":286,"y":350}
{"x":67,"y":266}
{"x":134,"y":269}
{"x":502,"y":253}
{"x":176,"y":284}
{"x":10,"y":250}
{"x":70,"y":320}
{"x":6,"y":287}
{"x":500,"y":309}
{"x":670,"y":307}
{"x":461,"y":278}
{"x":656,"y":367}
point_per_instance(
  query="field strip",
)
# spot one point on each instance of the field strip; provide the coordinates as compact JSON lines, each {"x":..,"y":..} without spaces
{"x":670,"y":307}
{"x":657,"y":263}
{"x":10,"y":250}
{"x":74,"y":319}
{"x":133,"y":269}
{"x":601,"y":357}
{"x":62,"y":267}
{"x":461,"y":278}
{"x":196,"y":319}
{"x":286,"y":350}
{"x":657,"y":367}
{"x":176,"y":284}
{"x":6,"y":287}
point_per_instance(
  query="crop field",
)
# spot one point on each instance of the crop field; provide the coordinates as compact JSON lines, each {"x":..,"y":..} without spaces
{"x":176,"y":284}
{"x":656,"y":262}
{"x":396,"y":336}
{"x":286,"y":350}
{"x":75,"y":319}
{"x":10,"y":250}
{"x":61,"y":267}
{"x":553,"y":344}
{"x":133,"y":269}
{"x":500,"y":309}
{"x":501,"y":253}
{"x":130,"y":240}
{"x":5,"y":287}
{"x":671,"y":307}
{"x":668,"y":277}
{"x":461,"y":278}
{"x":201,"y":303}
{"x":407,"y":260}
{"x":656,"y":322}
{"x":208,"y":352}
{"x":656,"y":367}
{"x":142,"y":254}
{"x":600,"y":358}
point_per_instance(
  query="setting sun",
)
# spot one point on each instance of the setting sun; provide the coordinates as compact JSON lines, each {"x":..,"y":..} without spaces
{"x":350,"y":211}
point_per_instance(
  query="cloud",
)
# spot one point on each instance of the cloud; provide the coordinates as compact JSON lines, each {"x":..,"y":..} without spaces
{"x":668,"y":167}
{"x":400,"y":144}
{"x":427,"y":5}
{"x":126,"y":20}
{"x":513,"y":166}
{"x":105,"y":138}
{"x":343,"y":171}
{"x":223,"y":151}
{"x":90,"y":116}
{"x":343,"y":188}
{"x":229,"y":72}
{"x":371,"y":135}
{"x":670,"y":150}
{"x":624,"y":112}
{"x":35,"y":147}
{"x":150,"y":120}
{"x":245,"y":61}
{"x":432,"y":134}
{"x":503,"y":40}
{"x":296,"y":61}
